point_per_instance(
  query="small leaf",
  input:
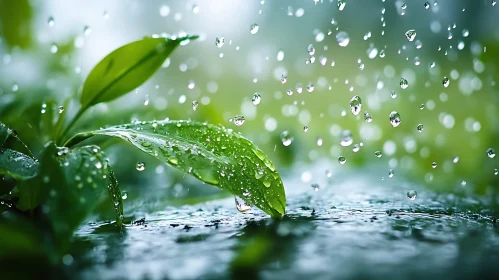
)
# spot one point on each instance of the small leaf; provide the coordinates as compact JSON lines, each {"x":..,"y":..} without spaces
{"x":213,"y":154}
{"x":115,"y":194}
{"x":126,"y":68}
{"x":17,"y":165}
{"x":5,"y":132}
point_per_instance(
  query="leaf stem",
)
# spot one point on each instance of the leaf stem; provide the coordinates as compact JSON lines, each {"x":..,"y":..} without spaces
{"x":73,"y":121}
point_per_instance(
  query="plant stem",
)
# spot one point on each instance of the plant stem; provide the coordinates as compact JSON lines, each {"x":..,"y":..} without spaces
{"x":73,"y":121}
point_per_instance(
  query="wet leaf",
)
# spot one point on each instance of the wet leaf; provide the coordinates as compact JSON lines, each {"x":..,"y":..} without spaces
{"x":17,"y":165}
{"x":16,"y":23}
{"x":115,"y":194}
{"x":126,"y":68}
{"x":4,"y":133}
{"x":213,"y":154}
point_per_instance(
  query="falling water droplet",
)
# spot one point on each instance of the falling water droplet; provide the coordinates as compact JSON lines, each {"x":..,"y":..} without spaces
{"x":426,"y":5}
{"x":61,"y":109}
{"x":496,"y":171}
{"x":355,"y":105}
{"x":51,"y":21}
{"x":455,"y":159}
{"x":420,"y":128}
{"x":54,"y":48}
{"x":284,"y":78}
{"x":341,"y":5}
{"x":219,"y":41}
{"x":124,"y":195}
{"x":239,"y":120}
{"x":391,"y":173}
{"x":299,"y":88}
{"x":433,"y":165}
{"x":412,"y":194}
{"x":342,"y":159}
{"x":311,"y":49}
{"x":378,"y":154}
{"x":241,"y":205}
{"x":286,"y":138}
{"x":342,"y":38}
{"x":410,"y":35}
{"x":140,"y":166}
{"x":445,"y":82}
{"x":421,"y":107}
{"x":319,"y":141}
{"x":394,"y":119}
{"x":86,"y":30}
{"x":356,"y":148}
{"x":393,"y":94}
{"x":256,"y":99}
{"x":346,"y":138}
{"x":491,"y":153}
{"x":315,"y":187}
{"x":329,"y":173}
{"x":367,"y":117}
{"x":195,"y":105}
{"x":280,"y":56}
{"x":404,"y":83}
{"x":254,"y":28}
{"x":310,"y":87}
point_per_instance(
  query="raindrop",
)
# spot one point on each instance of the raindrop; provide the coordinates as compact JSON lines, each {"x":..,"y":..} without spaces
{"x":433,"y":165}
{"x":319,"y":141}
{"x":280,"y":56}
{"x":341,"y":5}
{"x":241,"y":205}
{"x":466,"y":32}
{"x":239,"y":120}
{"x":86,"y":30}
{"x":310,"y":87}
{"x":286,"y":138}
{"x":311,"y":49}
{"x":356,"y":148}
{"x":54,"y":48}
{"x":254,"y":28}
{"x":329,"y":173}
{"x":420,"y":128}
{"x":61,"y":109}
{"x":378,"y":154}
{"x":367,"y":117}
{"x":124,"y":195}
{"x":256,"y":99}
{"x":342,"y":38}
{"x":426,"y":5}
{"x":355,"y":105}
{"x":412,"y":194}
{"x":342,"y":159}
{"x":394,"y":119}
{"x":299,"y":88}
{"x":391,"y":173}
{"x":284,"y":78}
{"x":445,"y":81}
{"x":410,"y":35}
{"x":289,"y":92}
{"x":315,"y":187}
{"x":404,"y":6}
{"x":195,"y":105}
{"x":305,"y":128}
{"x":140,"y":166}
{"x":51,"y":21}
{"x":455,"y":159}
{"x":219,"y":41}
{"x":491,"y":153}
{"x":496,"y":171}
{"x":404,"y":83}
{"x":191,"y":84}
{"x":346,"y":138}
{"x":421,"y":107}
{"x":394,"y":94}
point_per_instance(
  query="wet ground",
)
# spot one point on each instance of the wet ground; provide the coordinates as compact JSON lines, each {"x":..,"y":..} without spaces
{"x":354,"y":227}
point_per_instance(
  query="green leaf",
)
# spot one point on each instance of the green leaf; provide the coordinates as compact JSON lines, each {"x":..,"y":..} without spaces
{"x":5,"y":132}
{"x":17,"y":165}
{"x":16,"y":23}
{"x":126,"y":68}
{"x":115,"y":194}
{"x":213,"y":154}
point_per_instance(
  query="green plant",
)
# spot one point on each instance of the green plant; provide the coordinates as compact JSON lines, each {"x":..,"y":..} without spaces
{"x":56,"y":191}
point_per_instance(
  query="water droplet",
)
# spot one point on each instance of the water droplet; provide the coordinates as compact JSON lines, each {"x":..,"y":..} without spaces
{"x":106,"y":14}
{"x":496,"y":171}
{"x":445,"y":82}
{"x":86,"y":30}
{"x":280,"y":55}
{"x":404,"y":6}
{"x":421,"y":107}
{"x":51,"y":21}
{"x":239,"y":120}
{"x":254,"y":28}
{"x":195,"y":105}
{"x":195,"y":8}
{"x":329,"y":173}
{"x":412,"y":194}
{"x":305,"y":128}
{"x":124,"y":195}
{"x":410,"y":35}
{"x":286,"y":138}
{"x":433,"y":165}
{"x":299,"y":88}
{"x":310,"y":87}
{"x":404,"y":83}
{"x":241,"y":205}
{"x":256,"y":99}
{"x":393,"y":94}
{"x":426,"y":5}
{"x":289,"y":92}
{"x":465,"y":32}
{"x":311,"y":49}
{"x":342,"y":38}
{"x":284,"y":78}
{"x":346,"y":138}
{"x":355,"y":105}
{"x":315,"y":187}
{"x":341,"y":5}
{"x":342,"y":159}
{"x":140,"y":166}
{"x":391,"y":173}
{"x":455,"y":159}
{"x":61,"y":109}
{"x":378,"y":154}
{"x":356,"y":148}
{"x":420,"y":128}
{"x":394,"y":119}
{"x":164,"y":10}
{"x":367,"y":117}
{"x":491,"y":153}
{"x":219,"y":41}
{"x":319,"y":141}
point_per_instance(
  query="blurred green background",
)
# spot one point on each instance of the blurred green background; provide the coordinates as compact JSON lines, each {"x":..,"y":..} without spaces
{"x":48,"y":47}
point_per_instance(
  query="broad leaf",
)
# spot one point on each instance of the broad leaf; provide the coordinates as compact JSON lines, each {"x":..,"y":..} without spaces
{"x":17,"y":165}
{"x":126,"y":68}
{"x":213,"y":154}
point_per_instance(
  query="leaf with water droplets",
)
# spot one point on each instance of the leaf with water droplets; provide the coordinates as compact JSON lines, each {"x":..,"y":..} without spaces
{"x":4,"y":133}
{"x":17,"y":165}
{"x":213,"y":154}
{"x":126,"y":68}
